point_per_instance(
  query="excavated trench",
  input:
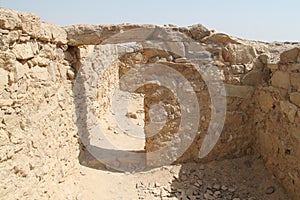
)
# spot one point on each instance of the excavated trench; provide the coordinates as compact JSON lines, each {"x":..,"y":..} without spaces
{"x":153,"y":113}
{"x":232,"y":171}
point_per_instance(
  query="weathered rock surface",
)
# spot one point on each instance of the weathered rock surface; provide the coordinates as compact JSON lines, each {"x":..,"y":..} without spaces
{"x":238,"y":54}
{"x":289,"y":56}
{"x":281,"y":80}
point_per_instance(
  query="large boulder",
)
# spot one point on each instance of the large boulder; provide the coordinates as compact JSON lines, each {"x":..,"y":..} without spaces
{"x":9,"y":19}
{"x":198,"y":31}
{"x":238,"y":54}
{"x":281,"y":80}
{"x":289,"y":56}
{"x":51,"y":32}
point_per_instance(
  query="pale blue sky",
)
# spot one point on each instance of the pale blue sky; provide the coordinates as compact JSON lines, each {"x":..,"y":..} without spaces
{"x":265,"y":20}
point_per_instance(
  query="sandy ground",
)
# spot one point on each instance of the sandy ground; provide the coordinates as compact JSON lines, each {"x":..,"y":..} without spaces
{"x":242,"y":178}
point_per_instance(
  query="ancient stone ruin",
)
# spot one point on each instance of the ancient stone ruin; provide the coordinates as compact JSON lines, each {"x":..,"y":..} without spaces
{"x":43,"y":75}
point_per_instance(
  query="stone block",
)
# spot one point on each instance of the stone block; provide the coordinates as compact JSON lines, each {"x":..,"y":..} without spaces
{"x":281,"y":79}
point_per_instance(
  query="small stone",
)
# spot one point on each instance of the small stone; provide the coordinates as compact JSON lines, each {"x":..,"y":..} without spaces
{"x":162,"y":60}
{"x":207,"y":196}
{"x":82,"y":173}
{"x":181,"y":60}
{"x":183,"y":177}
{"x":236,"y":199}
{"x":70,"y":74}
{"x":209,"y":191}
{"x":270,"y":190}
{"x":170,"y":58}
{"x":196,"y":192}
{"x":231,"y":189}
{"x":217,"y":186}
{"x":217,"y":193}
{"x":224,"y":187}
{"x":131,"y":115}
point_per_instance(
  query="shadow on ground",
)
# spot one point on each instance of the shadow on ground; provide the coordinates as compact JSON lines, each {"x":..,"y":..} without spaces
{"x":243,"y":178}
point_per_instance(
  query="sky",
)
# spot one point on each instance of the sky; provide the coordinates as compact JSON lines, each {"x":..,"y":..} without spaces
{"x":266,"y":20}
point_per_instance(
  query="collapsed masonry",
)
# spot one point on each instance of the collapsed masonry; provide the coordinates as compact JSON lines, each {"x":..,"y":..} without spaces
{"x":38,"y":66}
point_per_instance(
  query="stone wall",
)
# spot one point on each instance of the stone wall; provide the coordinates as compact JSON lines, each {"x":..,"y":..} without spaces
{"x":38,"y":140}
{"x":277,"y":118}
{"x":38,"y":65}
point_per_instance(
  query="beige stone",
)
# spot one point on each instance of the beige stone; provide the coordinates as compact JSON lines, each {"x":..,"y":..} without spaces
{"x":24,"y":51}
{"x":281,"y":79}
{"x":6,"y":102}
{"x":238,"y":54}
{"x":289,"y":56}
{"x":40,"y":73}
{"x":265,"y":101}
{"x":272,"y":66}
{"x":48,"y":51}
{"x":221,"y":38}
{"x":51,"y":32}
{"x":40,"y":61}
{"x":295,"y":80}
{"x":263,"y":58}
{"x":94,"y":34}
{"x":9,"y":19}
{"x":289,"y":109}
{"x":7,"y":60}
{"x":198,"y":31}
{"x":9,"y":39}
{"x":3,"y":79}
{"x":12,"y":123}
{"x":181,"y":60}
{"x":239,"y":91}
{"x":295,"y":98}
{"x":30,"y":23}
{"x":20,"y":70}
{"x":253,"y":78}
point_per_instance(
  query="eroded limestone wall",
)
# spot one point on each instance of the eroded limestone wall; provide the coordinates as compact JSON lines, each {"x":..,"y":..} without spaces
{"x":38,"y":141}
{"x":277,"y":118}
